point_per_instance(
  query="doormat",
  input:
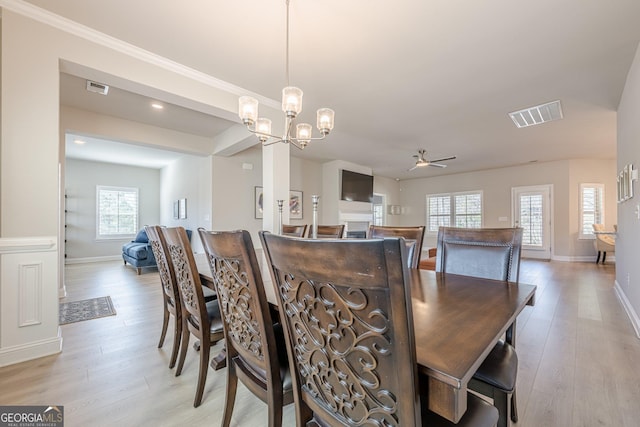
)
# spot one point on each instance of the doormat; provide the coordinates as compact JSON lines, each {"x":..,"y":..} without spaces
{"x":77,"y":311}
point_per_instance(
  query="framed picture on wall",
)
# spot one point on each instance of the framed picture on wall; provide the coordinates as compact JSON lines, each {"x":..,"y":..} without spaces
{"x":295,"y":204}
{"x":183,"y":209}
{"x":176,"y":209}
{"x":258,"y":202}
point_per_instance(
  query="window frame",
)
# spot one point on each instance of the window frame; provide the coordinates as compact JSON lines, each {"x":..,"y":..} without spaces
{"x":599,"y":210}
{"x":118,"y":236}
{"x":452,"y":208}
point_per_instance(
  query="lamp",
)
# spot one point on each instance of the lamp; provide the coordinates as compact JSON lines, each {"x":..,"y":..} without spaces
{"x":291,"y":106}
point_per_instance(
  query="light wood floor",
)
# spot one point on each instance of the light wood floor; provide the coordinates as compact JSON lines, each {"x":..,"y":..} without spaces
{"x":579,"y":357}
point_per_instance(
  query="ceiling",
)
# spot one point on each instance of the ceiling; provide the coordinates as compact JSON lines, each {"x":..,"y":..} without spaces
{"x":401,"y":76}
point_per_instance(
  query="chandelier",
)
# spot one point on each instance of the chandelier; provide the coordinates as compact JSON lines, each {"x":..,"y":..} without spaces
{"x":291,"y":106}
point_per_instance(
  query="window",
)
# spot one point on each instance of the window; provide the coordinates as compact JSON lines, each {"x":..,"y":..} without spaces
{"x":591,"y":208}
{"x":117,"y":212}
{"x":454,"y":210}
{"x":378,"y":209}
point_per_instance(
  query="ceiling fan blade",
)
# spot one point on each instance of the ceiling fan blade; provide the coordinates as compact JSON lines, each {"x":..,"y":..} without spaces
{"x":442,"y":160}
{"x":409,"y":170}
{"x":437,"y":165}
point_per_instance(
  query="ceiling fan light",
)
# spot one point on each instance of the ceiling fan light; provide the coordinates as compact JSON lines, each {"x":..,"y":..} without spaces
{"x":325,"y":120}
{"x":248,"y":109}
{"x":291,"y":101}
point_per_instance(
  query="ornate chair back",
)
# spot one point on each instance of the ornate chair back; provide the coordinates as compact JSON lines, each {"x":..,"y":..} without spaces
{"x":328,"y":231}
{"x":252,"y":351}
{"x":199,"y":318}
{"x":347,"y":318}
{"x":413,"y":237}
{"x":294,"y":230}
{"x":171,"y":295}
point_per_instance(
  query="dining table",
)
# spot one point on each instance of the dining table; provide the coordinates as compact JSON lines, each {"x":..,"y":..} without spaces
{"x":457,"y":320}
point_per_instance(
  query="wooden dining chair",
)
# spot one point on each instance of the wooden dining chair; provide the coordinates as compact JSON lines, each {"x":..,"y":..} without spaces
{"x":294,"y":230}
{"x":490,"y":254}
{"x":413,"y":236}
{"x":255,"y":352}
{"x":347,"y":316}
{"x":328,"y":231}
{"x":200,"y":318}
{"x":170,"y":292}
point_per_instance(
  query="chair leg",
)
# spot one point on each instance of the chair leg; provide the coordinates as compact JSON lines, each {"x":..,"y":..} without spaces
{"x":514,"y":407}
{"x":165,"y":324}
{"x":230,"y":399}
{"x":501,"y":402}
{"x":177,"y":333}
{"x":598,"y":257}
{"x":604,"y":256}
{"x":183,"y":349}
{"x":138,"y":270}
{"x":275,"y":407}
{"x":202,"y":375}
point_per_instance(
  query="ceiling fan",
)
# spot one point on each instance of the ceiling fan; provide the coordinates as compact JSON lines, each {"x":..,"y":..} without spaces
{"x":422,"y":161}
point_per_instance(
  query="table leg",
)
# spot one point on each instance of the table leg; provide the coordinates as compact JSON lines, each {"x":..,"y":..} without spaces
{"x":220,"y":361}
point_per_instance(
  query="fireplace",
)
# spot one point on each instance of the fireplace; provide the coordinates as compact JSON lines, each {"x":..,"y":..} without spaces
{"x":356,"y":224}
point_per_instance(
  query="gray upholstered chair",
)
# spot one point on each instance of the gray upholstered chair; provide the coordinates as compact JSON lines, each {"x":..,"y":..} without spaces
{"x":350,"y":336}
{"x":491,"y":254}
{"x":413,"y":236}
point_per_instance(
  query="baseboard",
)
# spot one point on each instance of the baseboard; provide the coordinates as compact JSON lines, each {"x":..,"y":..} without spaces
{"x":93,"y":259}
{"x":32,"y":350}
{"x":633,"y":316}
{"x":582,"y":258}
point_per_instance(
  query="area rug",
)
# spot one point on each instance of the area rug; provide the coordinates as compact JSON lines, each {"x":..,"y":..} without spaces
{"x":77,"y":311}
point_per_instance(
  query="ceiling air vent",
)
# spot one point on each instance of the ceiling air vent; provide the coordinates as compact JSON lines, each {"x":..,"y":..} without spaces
{"x":97,"y":87}
{"x":537,"y":115}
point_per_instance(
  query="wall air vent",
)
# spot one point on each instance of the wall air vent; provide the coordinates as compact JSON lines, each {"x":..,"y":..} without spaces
{"x":537,"y":115}
{"x":96,"y":87}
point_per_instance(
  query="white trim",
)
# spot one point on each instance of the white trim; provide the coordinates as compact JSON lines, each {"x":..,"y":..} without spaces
{"x":10,"y":245}
{"x":93,"y":259}
{"x":87,"y":33}
{"x":633,"y":316}
{"x":31,"y":350}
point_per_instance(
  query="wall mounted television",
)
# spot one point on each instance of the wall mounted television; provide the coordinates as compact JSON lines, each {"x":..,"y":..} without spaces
{"x":356,"y":187}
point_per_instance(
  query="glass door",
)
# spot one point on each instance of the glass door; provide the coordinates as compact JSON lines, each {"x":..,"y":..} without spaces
{"x":531,"y":208}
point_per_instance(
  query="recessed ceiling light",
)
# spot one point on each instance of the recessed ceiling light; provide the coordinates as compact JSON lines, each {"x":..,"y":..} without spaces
{"x":157,"y":106}
{"x":537,"y":115}
{"x":79,"y":141}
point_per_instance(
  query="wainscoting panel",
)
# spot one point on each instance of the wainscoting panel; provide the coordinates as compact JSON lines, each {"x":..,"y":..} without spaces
{"x":28,"y":298}
{"x":30,"y":294}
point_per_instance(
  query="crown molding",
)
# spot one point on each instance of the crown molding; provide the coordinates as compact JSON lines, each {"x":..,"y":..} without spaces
{"x":71,"y":27}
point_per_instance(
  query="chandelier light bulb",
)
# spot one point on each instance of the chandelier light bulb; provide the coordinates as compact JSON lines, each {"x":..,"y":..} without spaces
{"x":263,"y":129}
{"x":291,"y":101}
{"x":325,"y":120}
{"x":248,"y":109}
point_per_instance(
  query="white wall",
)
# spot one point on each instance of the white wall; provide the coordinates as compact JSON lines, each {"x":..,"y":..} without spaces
{"x":628,"y":239}
{"x":81,"y":178}
{"x":187,"y":178}
{"x":233,"y":190}
{"x":496,"y":184}
{"x":390,"y":188}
